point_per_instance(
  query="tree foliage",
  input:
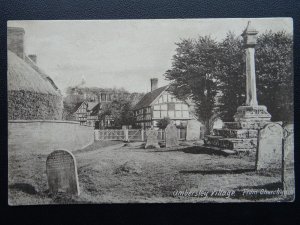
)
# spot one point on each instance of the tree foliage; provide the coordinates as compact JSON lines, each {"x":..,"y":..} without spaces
{"x":195,"y":70}
{"x":274,"y":71}
{"x":75,"y":95}
{"x":213,"y":75}
{"x":163,"y":123}
{"x":121,"y":112}
{"x":232,"y":76}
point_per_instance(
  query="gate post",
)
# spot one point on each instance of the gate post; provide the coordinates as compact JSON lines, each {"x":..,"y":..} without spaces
{"x":96,"y":135}
{"x":142,"y":134}
{"x":126,"y":134}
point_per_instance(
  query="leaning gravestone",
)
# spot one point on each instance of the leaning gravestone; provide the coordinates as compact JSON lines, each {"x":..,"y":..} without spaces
{"x":193,"y":130}
{"x":62,"y":172}
{"x":171,"y":135}
{"x":288,"y":161}
{"x":152,"y":141}
{"x":269,"y":155}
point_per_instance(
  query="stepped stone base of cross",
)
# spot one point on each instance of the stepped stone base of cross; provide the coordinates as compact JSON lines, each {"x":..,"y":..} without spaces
{"x":241,"y":135}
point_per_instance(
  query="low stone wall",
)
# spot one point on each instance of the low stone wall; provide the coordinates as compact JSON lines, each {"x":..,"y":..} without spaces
{"x":43,"y":136}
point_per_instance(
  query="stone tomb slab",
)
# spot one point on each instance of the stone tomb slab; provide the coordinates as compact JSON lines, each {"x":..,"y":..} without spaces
{"x":171,"y":136}
{"x":152,"y":141}
{"x":62,"y":174}
{"x":288,"y":161}
{"x":193,"y":130}
{"x":269,"y":152}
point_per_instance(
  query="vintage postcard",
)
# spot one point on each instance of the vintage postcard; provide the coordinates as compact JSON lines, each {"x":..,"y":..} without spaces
{"x":150,"y":111}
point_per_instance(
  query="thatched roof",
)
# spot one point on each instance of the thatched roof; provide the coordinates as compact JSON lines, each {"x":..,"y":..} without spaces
{"x":40,"y":71}
{"x":21,"y":76}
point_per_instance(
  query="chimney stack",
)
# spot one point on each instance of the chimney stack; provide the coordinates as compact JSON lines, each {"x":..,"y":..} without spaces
{"x":15,"y":41}
{"x":154,"y":83}
{"x":33,"y":58}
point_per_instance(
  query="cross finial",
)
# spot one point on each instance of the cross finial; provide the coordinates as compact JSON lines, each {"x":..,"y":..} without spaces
{"x":249,"y":29}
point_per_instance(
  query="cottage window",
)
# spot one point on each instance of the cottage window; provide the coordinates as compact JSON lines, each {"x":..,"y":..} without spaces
{"x":178,"y":106}
{"x":178,"y":114}
{"x":156,"y":114}
{"x":163,"y":107}
{"x":156,"y":107}
{"x":184,"y":107}
{"x":171,"y":106}
{"x":185,"y":114}
{"x":163,"y":114}
{"x":171,"y":113}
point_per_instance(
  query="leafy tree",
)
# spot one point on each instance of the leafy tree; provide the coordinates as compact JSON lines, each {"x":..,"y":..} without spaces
{"x":69,"y":103}
{"x":213,"y":75}
{"x":120,"y":110}
{"x":232,"y":76}
{"x":76,"y":94}
{"x":274,"y":71}
{"x":194,"y":74}
{"x":163,"y":123}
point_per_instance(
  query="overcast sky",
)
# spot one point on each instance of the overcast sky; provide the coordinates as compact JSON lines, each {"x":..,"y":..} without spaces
{"x":122,"y":53}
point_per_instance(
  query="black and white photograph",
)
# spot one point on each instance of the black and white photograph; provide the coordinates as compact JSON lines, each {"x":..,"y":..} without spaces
{"x":150,"y":111}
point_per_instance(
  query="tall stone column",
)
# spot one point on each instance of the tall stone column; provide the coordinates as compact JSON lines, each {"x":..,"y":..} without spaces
{"x":250,"y":77}
{"x":251,"y":111}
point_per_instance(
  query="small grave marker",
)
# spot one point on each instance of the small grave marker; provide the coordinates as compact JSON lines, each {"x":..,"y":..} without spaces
{"x":62,"y":172}
{"x":288,"y":161}
{"x":152,"y":141}
{"x":171,"y":135}
{"x":193,"y":130}
{"x":269,"y":155}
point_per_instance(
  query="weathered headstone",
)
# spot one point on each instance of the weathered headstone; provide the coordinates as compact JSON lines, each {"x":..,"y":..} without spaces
{"x":193,"y":130}
{"x":288,"y":161}
{"x":171,"y":135}
{"x":269,"y":155}
{"x":62,"y":172}
{"x":152,"y":141}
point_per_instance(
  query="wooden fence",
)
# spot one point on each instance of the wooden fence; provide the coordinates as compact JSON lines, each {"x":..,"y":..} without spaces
{"x":132,"y":135}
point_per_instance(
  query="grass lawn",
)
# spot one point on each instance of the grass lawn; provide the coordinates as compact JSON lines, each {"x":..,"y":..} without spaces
{"x":110,"y":172}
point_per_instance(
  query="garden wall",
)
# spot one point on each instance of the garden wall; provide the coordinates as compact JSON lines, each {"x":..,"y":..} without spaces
{"x":43,"y":136}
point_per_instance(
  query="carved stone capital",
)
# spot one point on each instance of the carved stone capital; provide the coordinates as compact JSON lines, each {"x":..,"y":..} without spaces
{"x":252,"y":114}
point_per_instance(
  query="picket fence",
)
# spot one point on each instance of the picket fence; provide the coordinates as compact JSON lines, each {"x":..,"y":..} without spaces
{"x":132,"y":134}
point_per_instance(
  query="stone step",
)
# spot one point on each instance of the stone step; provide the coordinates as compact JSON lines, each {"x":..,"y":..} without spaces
{"x":231,"y":143}
{"x":251,"y":124}
{"x":236,"y":133}
{"x":232,"y":125}
{"x":211,"y":140}
{"x":228,"y":151}
{"x":218,"y":150}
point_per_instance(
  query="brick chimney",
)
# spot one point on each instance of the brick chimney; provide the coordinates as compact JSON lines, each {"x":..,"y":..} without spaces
{"x":154,"y":83}
{"x":33,"y":58}
{"x":15,"y":41}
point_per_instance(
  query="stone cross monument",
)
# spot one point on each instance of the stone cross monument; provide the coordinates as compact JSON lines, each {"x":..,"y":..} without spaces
{"x":242,"y":134}
{"x":251,"y":111}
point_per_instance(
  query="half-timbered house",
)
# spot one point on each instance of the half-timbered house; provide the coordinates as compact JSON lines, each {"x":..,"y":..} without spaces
{"x":158,"y":104}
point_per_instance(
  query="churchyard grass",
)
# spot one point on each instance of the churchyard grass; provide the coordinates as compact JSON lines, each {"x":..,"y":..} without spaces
{"x":111,"y":172}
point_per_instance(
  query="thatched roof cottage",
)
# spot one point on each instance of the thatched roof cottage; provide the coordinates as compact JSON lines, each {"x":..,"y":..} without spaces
{"x":32,"y":94}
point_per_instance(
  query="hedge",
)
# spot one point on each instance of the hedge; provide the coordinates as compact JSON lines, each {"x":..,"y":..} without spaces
{"x":28,"y":105}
